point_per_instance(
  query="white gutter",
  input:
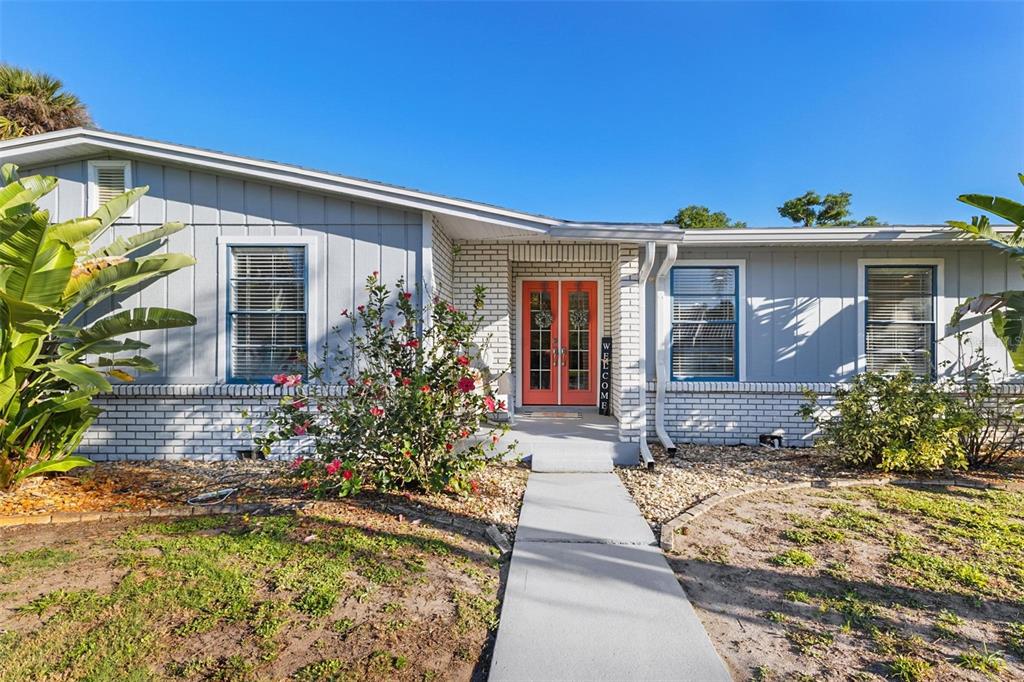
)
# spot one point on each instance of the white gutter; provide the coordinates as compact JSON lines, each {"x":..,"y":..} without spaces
{"x":662,"y":335}
{"x":645,"y":271}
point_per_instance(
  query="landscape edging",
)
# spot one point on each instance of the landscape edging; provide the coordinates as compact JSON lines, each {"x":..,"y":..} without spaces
{"x":162,"y":512}
{"x":673,"y":528}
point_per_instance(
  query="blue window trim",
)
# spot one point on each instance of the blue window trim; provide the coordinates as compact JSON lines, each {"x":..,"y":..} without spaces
{"x":933,"y":336}
{"x":229,"y":314}
{"x":735,"y":323}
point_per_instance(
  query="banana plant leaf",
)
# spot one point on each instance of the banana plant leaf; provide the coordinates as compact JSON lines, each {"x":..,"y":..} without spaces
{"x":20,"y":197}
{"x":125,"y":245}
{"x":54,"y":466}
{"x":74,"y":231}
{"x":116,"y":207}
{"x":89,"y":289}
{"x":136,"y":361}
{"x":134,"y":320}
{"x":81,"y":376}
{"x":39,"y":269}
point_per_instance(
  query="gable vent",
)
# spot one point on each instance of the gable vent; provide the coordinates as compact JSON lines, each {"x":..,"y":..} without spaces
{"x":109,"y":183}
{"x":107,"y":179}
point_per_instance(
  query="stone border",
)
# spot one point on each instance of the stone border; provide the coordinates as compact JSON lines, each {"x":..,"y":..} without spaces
{"x":163,"y":512}
{"x":677,"y":526}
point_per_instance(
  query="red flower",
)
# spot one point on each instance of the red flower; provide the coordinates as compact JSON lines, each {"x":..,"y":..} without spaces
{"x":305,"y":486}
{"x":397,"y":373}
{"x":413,"y":343}
{"x":501,"y":404}
{"x":360,"y":308}
{"x":466,"y":384}
{"x":298,"y":404}
{"x":351,"y":381}
{"x":407,"y":295}
{"x":449,"y":447}
{"x":407,"y":454}
{"x":347,"y":474}
{"x":425,"y":388}
{"x":297,"y":462}
{"x":287,"y":380}
{"x":376,"y":274}
{"x":474,"y":486}
{"x":406,"y":381}
{"x":494,"y":439}
{"x":377,"y":412}
{"x":464,"y":433}
{"x":489,"y":403}
{"x":333,"y":467}
{"x":344,"y":312}
{"x":367,"y":381}
{"x":300,"y":429}
{"x":462,"y":360}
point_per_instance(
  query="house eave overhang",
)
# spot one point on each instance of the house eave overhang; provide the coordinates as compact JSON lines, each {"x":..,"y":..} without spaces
{"x":82,"y":142}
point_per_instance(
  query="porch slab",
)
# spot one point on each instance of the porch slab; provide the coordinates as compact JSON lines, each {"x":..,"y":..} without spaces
{"x":591,"y":508}
{"x":577,"y":444}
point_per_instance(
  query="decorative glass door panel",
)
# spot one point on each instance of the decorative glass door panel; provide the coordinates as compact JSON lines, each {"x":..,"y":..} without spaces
{"x":577,"y":355}
{"x":540,"y":343}
{"x":559,"y":341}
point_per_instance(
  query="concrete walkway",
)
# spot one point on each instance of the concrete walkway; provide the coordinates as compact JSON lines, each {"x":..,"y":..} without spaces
{"x":590,"y":595}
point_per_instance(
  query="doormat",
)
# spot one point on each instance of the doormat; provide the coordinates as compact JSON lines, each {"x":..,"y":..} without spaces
{"x":551,"y":414}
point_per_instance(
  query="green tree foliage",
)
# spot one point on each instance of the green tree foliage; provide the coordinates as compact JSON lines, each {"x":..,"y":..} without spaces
{"x":701,"y":217}
{"x":413,"y":408}
{"x":51,"y":363}
{"x":810,"y":209}
{"x":1006,"y":307}
{"x":33,"y":103}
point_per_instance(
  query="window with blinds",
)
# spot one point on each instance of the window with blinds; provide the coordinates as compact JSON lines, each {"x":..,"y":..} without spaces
{"x":267,"y":304}
{"x":900,"y":319}
{"x":705,"y":334}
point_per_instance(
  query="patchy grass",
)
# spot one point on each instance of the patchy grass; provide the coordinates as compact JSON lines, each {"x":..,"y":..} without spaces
{"x":912,"y":583}
{"x":268,"y":597}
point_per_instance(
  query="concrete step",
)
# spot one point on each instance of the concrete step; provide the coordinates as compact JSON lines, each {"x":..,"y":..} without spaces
{"x":547,"y":461}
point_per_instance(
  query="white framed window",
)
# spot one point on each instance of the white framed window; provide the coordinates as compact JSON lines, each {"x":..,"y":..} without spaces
{"x":268,"y":316}
{"x":900,"y":307}
{"x":708,"y":320}
{"x":107,"y":179}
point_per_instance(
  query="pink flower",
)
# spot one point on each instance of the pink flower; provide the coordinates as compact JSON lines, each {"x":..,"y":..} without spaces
{"x":301,"y":429}
{"x":407,"y":295}
{"x":425,"y":388}
{"x":407,"y":453}
{"x":344,"y":312}
{"x":377,"y":412}
{"x":397,"y":373}
{"x":413,"y":343}
{"x":333,"y":467}
{"x":474,"y":486}
{"x":350,"y":381}
{"x":367,"y":381}
{"x":376,"y":274}
{"x":489,"y":403}
{"x":287,"y":380}
{"x":361,"y":308}
{"x":297,"y":462}
{"x":466,"y":384}
{"x":406,"y":381}
{"x":347,"y":474}
{"x":452,"y":308}
{"x":298,"y":404}
{"x":501,"y":404}
{"x":462,"y":360}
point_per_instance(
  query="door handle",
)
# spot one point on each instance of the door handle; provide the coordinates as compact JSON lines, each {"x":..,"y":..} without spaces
{"x":562,"y":353}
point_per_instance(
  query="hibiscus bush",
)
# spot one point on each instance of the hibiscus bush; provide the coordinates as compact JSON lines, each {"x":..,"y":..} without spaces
{"x":397,"y":402}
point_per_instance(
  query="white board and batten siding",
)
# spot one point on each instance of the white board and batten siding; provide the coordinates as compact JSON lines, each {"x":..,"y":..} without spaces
{"x":352,"y":239}
{"x":801,"y":305}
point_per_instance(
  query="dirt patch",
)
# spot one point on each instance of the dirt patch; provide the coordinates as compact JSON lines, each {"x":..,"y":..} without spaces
{"x":863,"y":583}
{"x":351,"y":592}
{"x":137,"y":486}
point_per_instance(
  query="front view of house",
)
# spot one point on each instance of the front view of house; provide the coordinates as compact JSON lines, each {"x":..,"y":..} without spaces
{"x":704,"y":336}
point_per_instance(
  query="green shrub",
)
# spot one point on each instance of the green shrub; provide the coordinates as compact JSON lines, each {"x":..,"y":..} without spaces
{"x":398,"y":400}
{"x":910,"y":669}
{"x":893,"y":423}
{"x":793,"y":557}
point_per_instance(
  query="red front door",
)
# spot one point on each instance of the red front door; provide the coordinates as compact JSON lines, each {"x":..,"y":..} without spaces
{"x":559,"y":337}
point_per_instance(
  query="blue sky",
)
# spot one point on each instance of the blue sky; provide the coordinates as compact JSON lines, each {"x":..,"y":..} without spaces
{"x":582,"y":111}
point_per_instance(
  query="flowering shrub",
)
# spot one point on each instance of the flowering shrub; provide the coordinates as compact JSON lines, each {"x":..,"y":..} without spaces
{"x":410,"y":411}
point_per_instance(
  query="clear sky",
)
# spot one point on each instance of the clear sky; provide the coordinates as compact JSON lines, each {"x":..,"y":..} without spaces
{"x":582,"y":111}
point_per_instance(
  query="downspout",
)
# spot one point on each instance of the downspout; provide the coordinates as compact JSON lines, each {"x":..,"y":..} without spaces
{"x":662,"y":335}
{"x":645,"y":271}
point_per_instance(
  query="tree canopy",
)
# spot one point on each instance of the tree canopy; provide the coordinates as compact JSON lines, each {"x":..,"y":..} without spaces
{"x":701,"y":217}
{"x":33,"y":103}
{"x":811,"y":209}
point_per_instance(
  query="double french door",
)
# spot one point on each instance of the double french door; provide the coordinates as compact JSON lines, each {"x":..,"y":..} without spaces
{"x":559,"y":342}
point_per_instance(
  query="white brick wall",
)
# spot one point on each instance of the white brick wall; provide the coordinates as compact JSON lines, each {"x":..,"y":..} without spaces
{"x":723,"y":414}
{"x":486,"y":264}
{"x":626,"y":345}
{"x":444,"y":260}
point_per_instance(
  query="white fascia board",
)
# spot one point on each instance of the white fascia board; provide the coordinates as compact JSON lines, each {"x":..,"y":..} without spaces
{"x":271,"y":172}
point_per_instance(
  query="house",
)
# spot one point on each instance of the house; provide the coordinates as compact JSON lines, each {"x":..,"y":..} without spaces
{"x":712,"y":334}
